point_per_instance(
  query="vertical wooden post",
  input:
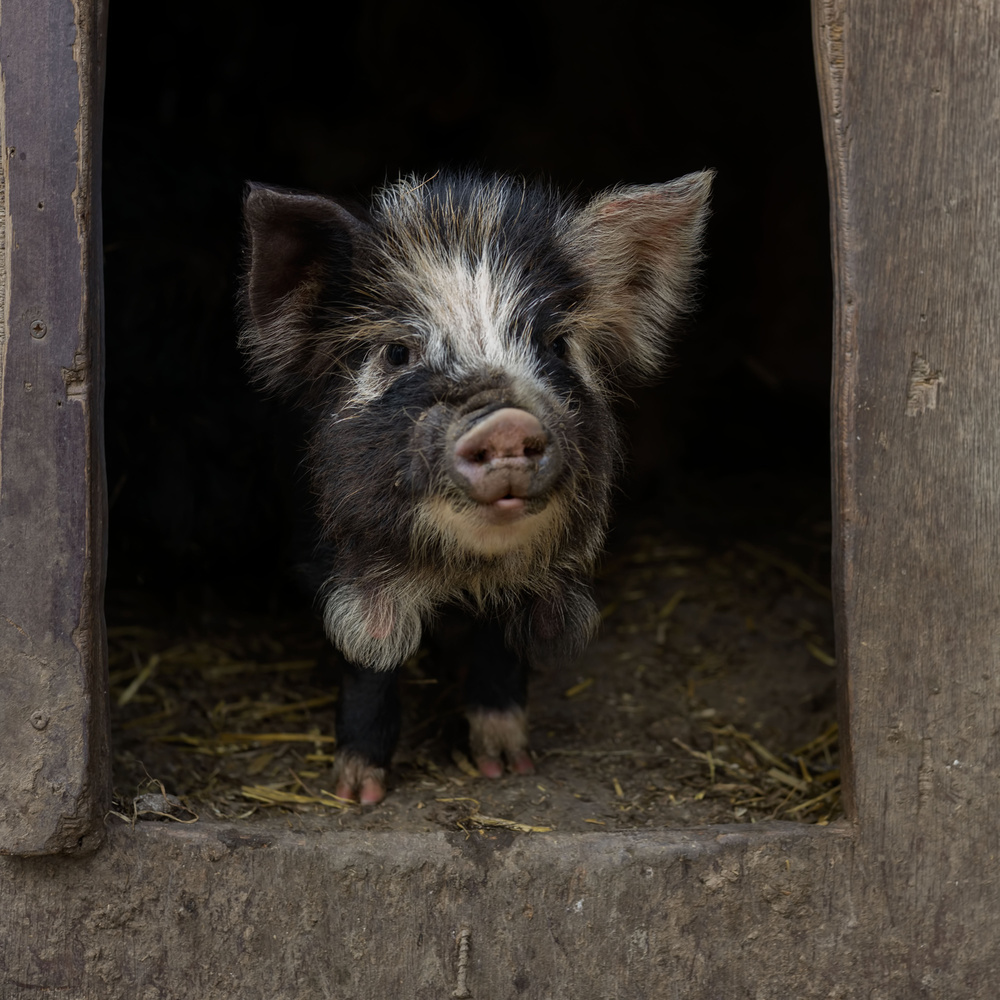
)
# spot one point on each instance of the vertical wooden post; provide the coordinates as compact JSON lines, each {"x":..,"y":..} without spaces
{"x":911,"y":98}
{"x":54,"y":757}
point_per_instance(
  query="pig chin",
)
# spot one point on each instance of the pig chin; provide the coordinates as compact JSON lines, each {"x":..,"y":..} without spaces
{"x":506,"y":525}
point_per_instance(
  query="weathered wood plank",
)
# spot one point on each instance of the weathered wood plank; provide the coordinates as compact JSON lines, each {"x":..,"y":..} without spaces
{"x":911,"y":96}
{"x":53,"y":720}
{"x":259,"y":911}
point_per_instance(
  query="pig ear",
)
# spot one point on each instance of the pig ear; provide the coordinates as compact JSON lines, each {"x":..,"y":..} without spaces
{"x":300,"y":249}
{"x":639,"y":247}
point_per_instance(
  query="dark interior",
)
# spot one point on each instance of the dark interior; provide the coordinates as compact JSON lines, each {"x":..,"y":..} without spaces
{"x":340,"y":98}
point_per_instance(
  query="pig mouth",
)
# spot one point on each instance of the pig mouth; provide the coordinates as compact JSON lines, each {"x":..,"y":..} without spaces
{"x":508,"y":503}
{"x":503,"y":496}
{"x":508,"y":509}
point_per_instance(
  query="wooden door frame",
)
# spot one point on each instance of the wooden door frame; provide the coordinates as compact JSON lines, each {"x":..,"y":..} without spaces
{"x":898,"y":900}
{"x":55,"y":764}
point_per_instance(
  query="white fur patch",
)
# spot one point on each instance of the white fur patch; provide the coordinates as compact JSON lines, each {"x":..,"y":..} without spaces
{"x":371,"y":382}
{"x":378,"y":627}
{"x":467,"y":319}
{"x":464,"y":327}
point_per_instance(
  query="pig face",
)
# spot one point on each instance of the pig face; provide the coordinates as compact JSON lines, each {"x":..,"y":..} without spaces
{"x":458,"y":346}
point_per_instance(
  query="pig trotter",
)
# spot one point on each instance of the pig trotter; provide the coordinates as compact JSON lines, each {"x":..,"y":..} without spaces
{"x":495,"y":735}
{"x":358,"y":780}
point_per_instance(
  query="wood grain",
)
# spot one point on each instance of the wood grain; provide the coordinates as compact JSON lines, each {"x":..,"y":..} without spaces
{"x":53,"y":719}
{"x":911,"y":100}
{"x":277,"y":910}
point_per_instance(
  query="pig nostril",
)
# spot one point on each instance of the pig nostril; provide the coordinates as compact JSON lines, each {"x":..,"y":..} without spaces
{"x":507,"y":450}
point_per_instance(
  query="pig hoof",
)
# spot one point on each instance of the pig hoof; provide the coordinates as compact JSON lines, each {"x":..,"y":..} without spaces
{"x":495,"y":735}
{"x":358,"y":780}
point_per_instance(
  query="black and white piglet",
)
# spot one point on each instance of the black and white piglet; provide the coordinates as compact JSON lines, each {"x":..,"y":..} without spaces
{"x":458,"y":345}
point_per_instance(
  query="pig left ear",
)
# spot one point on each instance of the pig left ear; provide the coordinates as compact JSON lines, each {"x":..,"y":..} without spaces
{"x":300,"y":251}
{"x":638,"y":248}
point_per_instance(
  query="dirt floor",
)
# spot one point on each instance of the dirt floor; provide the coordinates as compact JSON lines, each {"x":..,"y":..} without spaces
{"x":707,"y":698}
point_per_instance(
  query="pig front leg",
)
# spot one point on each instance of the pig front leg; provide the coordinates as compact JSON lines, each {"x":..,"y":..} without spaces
{"x":496,"y":691}
{"x":368,"y":722}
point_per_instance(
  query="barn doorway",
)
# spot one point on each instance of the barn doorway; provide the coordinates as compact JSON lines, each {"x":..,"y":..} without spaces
{"x":709,"y":697}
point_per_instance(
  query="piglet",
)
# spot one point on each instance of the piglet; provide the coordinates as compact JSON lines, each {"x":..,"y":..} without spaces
{"x":457,"y":347}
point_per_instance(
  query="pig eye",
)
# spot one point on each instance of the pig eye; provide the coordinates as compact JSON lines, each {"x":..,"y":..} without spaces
{"x":558,"y":347}
{"x":397,"y":354}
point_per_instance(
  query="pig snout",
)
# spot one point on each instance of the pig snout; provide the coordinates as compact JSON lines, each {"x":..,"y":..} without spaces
{"x":504,"y":459}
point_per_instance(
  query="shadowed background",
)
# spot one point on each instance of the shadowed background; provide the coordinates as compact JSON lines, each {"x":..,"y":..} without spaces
{"x":339,"y":99}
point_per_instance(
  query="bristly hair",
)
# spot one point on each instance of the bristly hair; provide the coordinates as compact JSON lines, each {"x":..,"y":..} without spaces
{"x":458,"y":343}
{"x":326,"y":280}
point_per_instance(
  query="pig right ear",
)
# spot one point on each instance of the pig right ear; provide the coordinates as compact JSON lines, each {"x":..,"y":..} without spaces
{"x":300,"y":250}
{"x":639,"y":248}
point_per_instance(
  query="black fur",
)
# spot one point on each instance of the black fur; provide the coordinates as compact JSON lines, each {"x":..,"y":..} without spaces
{"x":400,"y":329}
